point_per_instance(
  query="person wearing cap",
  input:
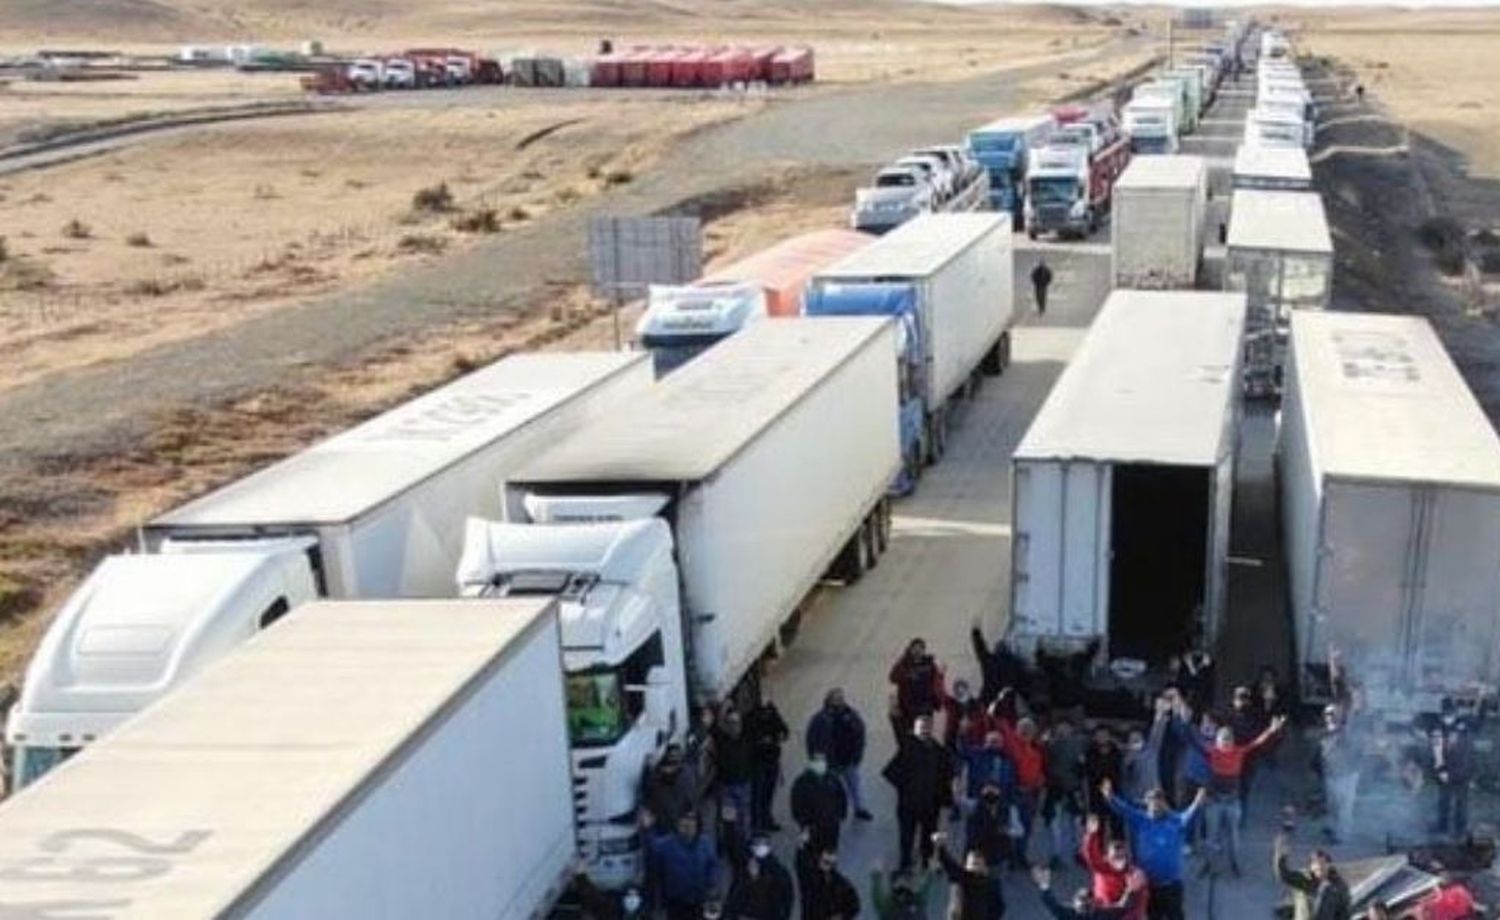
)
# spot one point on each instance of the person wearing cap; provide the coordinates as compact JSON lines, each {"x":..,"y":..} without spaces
{"x":900,"y":895}
{"x":1157,"y":835}
{"x":988,"y":829}
{"x":978,"y":890}
{"x":762,"y":887}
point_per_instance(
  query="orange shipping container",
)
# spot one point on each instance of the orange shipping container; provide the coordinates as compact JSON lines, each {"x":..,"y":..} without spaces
{"x":784,"y":269}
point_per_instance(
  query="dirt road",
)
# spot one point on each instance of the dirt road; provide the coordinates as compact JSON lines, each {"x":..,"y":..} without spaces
{"x":110,"y":405}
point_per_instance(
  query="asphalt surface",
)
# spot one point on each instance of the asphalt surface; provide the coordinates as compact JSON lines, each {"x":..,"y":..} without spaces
{"x":110,"y":406}
{"x":949,"y":565}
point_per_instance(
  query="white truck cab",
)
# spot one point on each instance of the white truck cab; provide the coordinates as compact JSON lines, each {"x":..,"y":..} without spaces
{"x":1151,"y":125}
{"x":138,"y":627}
{"x":681,"y":321}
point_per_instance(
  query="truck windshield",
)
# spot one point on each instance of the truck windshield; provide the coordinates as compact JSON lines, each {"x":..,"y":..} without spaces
{"x":596,"y":708}
{"x":995,"y":143}
{"x":1054,"y":191}
{"x":895,"y":180}
{"x":32,"y":763}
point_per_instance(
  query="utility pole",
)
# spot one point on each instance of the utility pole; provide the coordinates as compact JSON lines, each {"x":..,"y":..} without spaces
{"x":1171,"y":49}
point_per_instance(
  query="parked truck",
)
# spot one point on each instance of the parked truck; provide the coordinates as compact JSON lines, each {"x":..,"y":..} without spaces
{"x":1271,"y":168}
{"x":947,"y":279}
{"x":1004,"y":148}
{"x":360,"y":760}
{"x":1151,"y":126}
{"x":1390,"y":500}
{"x":1122,"y":484}
{"x":680,"y":322}
{"x":683,"y":534}
{"x":1161,"y":209}
{"x":375,"y":512}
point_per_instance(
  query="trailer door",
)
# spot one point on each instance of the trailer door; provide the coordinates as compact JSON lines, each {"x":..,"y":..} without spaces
{"x":1456,"y":608}
{"x":1061,"y":548}
{"x":1369,"y":541}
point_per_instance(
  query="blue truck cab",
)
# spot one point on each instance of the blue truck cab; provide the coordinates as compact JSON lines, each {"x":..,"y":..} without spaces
{"x":1003,"y":148}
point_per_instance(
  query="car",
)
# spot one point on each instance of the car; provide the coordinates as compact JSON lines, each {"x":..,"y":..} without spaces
{"x":941,"y":179}
{"x":399,"y":74}
{"x":367,"y":73}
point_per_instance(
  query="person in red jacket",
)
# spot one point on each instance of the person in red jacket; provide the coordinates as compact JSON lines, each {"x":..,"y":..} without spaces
{"x":919,"y":685}
{"x":1020,"y":744}
{"x":1226,"y":764}
{"x":1115,"y":882}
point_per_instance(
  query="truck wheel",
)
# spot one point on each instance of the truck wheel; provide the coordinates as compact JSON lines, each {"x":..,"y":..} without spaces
{"x":867,"y":542}
{"x":993,"y":364}
{"x":936,"y":439}
{"x":850,"y":566}
{"x":1031,"y":234}
{"x":883,"y":526}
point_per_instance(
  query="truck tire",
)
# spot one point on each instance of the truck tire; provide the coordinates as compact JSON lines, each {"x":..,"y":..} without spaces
{"x":849,"y":567}
{"x":867,"y":543}
{"x":993,"y":364}
{"x":883,"y":526}
{"x":937,"y":436}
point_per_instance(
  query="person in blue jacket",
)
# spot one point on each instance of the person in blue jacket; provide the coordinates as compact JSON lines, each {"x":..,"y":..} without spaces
{"x":682,"y":869}
{"x":1157,"y":834}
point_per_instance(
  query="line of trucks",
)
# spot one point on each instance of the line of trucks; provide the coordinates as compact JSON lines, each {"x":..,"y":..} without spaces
{"x":305,"y":695}
{"x":933,"y":179}
{"x":414,"y":68}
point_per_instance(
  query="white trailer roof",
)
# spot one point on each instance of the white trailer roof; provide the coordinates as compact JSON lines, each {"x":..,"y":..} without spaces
{"x":1273,"y":162}
{"x":691,"y":423}
{"x":1014,"y":123}
{"x":1383,"y":401}
{"x":1279,"y":220}
{"x":1163,"y":172}
{"x":261,"y":752}
{"x":917,"y":248}
{"x":1155,"y":381}
{"x":351,"y":473}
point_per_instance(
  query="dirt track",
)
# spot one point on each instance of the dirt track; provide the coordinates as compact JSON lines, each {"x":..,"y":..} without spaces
{"x":111,"y":405}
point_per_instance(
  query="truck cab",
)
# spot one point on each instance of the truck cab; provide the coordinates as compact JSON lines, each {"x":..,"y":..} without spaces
{"x":681,"y":322}
{"x":1058,"y":190}
{"x":1003,"y":148}
{"x":1266,"y":128}
{"x":616,"y":582}
{"x":1151,"y":127}
{"x":139,"y":626}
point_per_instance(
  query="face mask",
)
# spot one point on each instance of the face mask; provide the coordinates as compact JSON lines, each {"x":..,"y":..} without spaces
{"x":632,"y":902}
{"x":991,"y":797}
{"x":817,"y":767}
{"x":761,"y":850}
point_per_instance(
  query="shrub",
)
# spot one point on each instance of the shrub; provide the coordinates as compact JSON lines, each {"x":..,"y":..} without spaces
{"x":76,"y":229}
{"x":434,"y":199}
{"x":139,"y":240}
{"x":482,"y":220}
{"x":618,"y":177}
{"x":421,"y":243}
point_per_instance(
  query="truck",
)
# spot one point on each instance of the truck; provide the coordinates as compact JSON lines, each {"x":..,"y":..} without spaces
{"x":1070,"y":182}
{"x":1003,"y":148}
{"x":680,"y":322}
{"x":1189,"y":91}
{"x":1271,"y":168}
{"x":1195,"y":82}
{"x":375,"y":512}
{"x":360,"y":760}
{"x":1163,"y":94}
{"x":897,"y":194}
{"x":1161,"y":215}
{"x":947,"y":279}
{"x":1390,"y":501}
{"x":682,"y":535}
{"x":1122,"y":485}
{"x":1151,"y":126}
{"x":1275,"y":128}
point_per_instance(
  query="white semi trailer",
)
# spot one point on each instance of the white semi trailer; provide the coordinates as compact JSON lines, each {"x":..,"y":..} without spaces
{"x":375,"y":512}
{"x":1390,"y":477}
{"x":382,"y":760}
{"x":684,"y":532}
{"x":1161,"y":212}
{"x":1123,"y":482}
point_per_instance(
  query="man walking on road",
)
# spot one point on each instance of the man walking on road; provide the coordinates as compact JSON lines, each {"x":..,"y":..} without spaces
{"x":1041,"y":279}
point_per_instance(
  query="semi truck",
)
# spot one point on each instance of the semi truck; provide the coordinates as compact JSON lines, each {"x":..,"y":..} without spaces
{"x":1004,"y":148}
{"x":681,"y":321}
{"x":1151,"y":126}
{"x":1123,"y":484}
{"x":1161,"y":208}
{"x":1166,"y":95}
{"x":374,"y":512}
{"x":1390,"y":501}
{"x":682,"y":535}
{"x":1271,"y":168}
{"x":947,"y":280}
{"x":360,"y":760}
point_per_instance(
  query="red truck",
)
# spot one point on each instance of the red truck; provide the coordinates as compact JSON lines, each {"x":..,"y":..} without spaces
{"x":1070,"y":182}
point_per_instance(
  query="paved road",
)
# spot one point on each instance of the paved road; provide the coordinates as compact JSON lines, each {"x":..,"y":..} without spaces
{"x":102,"y":407}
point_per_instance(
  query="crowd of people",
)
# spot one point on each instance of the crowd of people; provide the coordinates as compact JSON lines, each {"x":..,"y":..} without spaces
{"x":1006,"y":779}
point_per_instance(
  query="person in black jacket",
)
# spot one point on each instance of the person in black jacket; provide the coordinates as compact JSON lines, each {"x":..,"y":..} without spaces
{"x":979,"y":892}
{"x":999,"y":666}
{"x":767,"y":732}
{"x":1325,"y":889}
{"x":597,"y":904}
{"x":922,"y":772}
{"x":762,"y":888}
{"x":1453,"y":767}
{"x":826,"y":893}
{"x":734,"y":760}
{"x":838,"y":733}
{"x":987,"y":828}
{"x":819,"y":803}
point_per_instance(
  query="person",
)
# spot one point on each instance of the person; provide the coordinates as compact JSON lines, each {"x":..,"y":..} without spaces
{"x":1157,"y":835}
{"x":1103,"y":762}
{"x":838,"y":733}
{"x":762,"y":889}
{"x":919,"y":683}
{"x":1141,"y":767}
{"x":733,"y":836}
{"x":682,"y":870}
{"x":1338,"y":762}
{"x":598,"y":904}
{"x":1246,"y":722}
{"x":987,"y":826}
{"x":1453,"y":767}
{"x":1113,"y":879}
{"x":978,"y":891}
{"x":1063,"y":808}
{"x":961,"y":710}
{"x":900,"y":895}
{"x":986,"y":763}
{"x":671,"y":789}
{"x":1226,"y":764}
{"x":734,"y":760}
{"x":999,"y":666}
{"x":1321,"y":884}
{"x":819,"y":802}
{"x":1041,"y":279}
{"x":922,"y":773}
{"x":768,"y":732}
{"x":1196,"y":682}
{"x":1451,"y":901}
{"x":1020,"y":744}
{"x":1083,"y":907}
{"x":826,"y":893}
{"x":1359,"y":93}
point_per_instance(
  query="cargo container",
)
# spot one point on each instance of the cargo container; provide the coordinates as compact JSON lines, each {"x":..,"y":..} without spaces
{"x":1390,"y":492}
{"x":1281,"y":256}
{"x":1161,"y":206}
{"x":687,"y":70}
{"x":1122,"y":485}
{"x":710,"y":506}
{"x":659,"y":66}
{"x":1151,"y":126}
{"x":633,"y":67}
{"x":1272,"y":168}
{"x":948,"y":279}
{"x":792,"y":65}
{"x":358,"y":761}
{"x":760,"y":62}
{"x":375,"y":512}
{"x":680,"y":322}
